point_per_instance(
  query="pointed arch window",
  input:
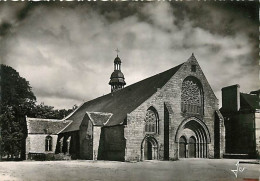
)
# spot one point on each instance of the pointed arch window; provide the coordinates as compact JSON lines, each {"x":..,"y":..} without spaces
{"x":48,"y":143}
{"x":151,"y":121}
{"x":192,"y":96}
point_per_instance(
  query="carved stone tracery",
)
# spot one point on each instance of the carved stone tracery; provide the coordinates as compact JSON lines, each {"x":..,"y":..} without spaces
{"x":191,"y":96}
{"x":151,"y":122}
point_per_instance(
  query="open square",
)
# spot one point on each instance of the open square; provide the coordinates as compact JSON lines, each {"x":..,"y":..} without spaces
{"x":184,"y":169}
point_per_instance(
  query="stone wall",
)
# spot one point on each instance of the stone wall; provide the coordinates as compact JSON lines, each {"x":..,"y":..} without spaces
{"x":114,"y":143}
{"x":74,"y":145}
{"x":170,"y":93}
{"x":96,"y":141}
{"x":257,"y":133}
{"x":219,"y":135}
{"x":35,"y":143}
{"x":86,"y":140}
{"x":222,"y":137}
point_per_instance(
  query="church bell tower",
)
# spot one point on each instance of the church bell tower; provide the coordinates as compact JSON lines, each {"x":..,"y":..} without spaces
{"x":117,"y":79}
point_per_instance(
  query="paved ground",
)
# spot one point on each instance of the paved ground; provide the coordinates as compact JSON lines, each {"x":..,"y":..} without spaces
{"x":187,"y":169}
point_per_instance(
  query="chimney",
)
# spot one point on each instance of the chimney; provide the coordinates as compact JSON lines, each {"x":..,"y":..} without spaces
{"x":231,"y":98}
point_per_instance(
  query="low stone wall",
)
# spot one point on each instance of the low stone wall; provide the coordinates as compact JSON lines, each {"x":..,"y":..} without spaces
{"x":48,"y":157}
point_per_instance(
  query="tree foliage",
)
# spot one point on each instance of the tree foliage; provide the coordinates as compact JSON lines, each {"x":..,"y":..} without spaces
{"x":16,"y":101}
{"x":48,"y":112}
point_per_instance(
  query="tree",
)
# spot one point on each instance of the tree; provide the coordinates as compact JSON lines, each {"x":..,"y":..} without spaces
{"x":17,"y":100}
{"x":48,"y":112}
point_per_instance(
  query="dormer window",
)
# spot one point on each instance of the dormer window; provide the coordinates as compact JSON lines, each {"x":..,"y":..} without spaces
{"x":193,"y":68}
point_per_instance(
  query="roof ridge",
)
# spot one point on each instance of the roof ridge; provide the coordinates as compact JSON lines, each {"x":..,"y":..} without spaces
{"x":107,"y":113}
{"x":44,"y":119}
{"x":250,"y":99}
{"x":73,"y":111}
{"x":154,"y":75}
{"x":111,"y":93}
{"x":65,"y":127}
{"x":246,"y":94}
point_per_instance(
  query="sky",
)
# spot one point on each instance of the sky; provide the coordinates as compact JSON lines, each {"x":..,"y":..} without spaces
{"x":66,"y":49}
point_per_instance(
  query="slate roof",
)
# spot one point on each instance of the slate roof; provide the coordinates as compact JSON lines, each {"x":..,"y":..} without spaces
{"x":99,"y":118}
{"x":45,"y":126}
{"x":249,"y":101}
{"x":123,"y":101}
{"x":256,"y":92}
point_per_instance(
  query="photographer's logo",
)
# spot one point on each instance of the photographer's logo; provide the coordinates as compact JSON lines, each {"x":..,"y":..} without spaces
{"x":239,"y":169}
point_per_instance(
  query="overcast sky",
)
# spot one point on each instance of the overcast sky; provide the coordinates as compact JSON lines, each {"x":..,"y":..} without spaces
{"x":66,"y":50}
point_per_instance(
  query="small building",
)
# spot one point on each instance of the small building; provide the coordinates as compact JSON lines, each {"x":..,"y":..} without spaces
{"x":241,"y":113}
{"x":42,"y":135}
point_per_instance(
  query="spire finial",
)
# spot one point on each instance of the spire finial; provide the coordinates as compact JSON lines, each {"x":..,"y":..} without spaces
{"x":117,"y":51}
{"x":192,"y":54}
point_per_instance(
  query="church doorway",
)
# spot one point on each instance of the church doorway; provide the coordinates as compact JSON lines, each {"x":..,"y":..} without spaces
{"x":193,"y":138}
{"x":192,"y":147}
{"x":149,"y":148}
{"x":182,"y":147}
{"x":148,"y":152}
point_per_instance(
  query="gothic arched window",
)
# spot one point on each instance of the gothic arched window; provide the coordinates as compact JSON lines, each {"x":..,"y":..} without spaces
{"x":191,"y":96}
{"x":48,"y":143}
{"x":151,"y":121}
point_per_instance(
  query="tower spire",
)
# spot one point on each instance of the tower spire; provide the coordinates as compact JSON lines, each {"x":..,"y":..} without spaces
{"x":117,"y":79}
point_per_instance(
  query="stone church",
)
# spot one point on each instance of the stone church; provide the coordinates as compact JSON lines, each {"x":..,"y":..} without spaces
{"x":171,"y":115}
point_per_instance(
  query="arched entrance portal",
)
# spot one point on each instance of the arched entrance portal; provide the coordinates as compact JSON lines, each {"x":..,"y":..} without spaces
{"x":193,"y":138}
{"x":149,"y":148}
